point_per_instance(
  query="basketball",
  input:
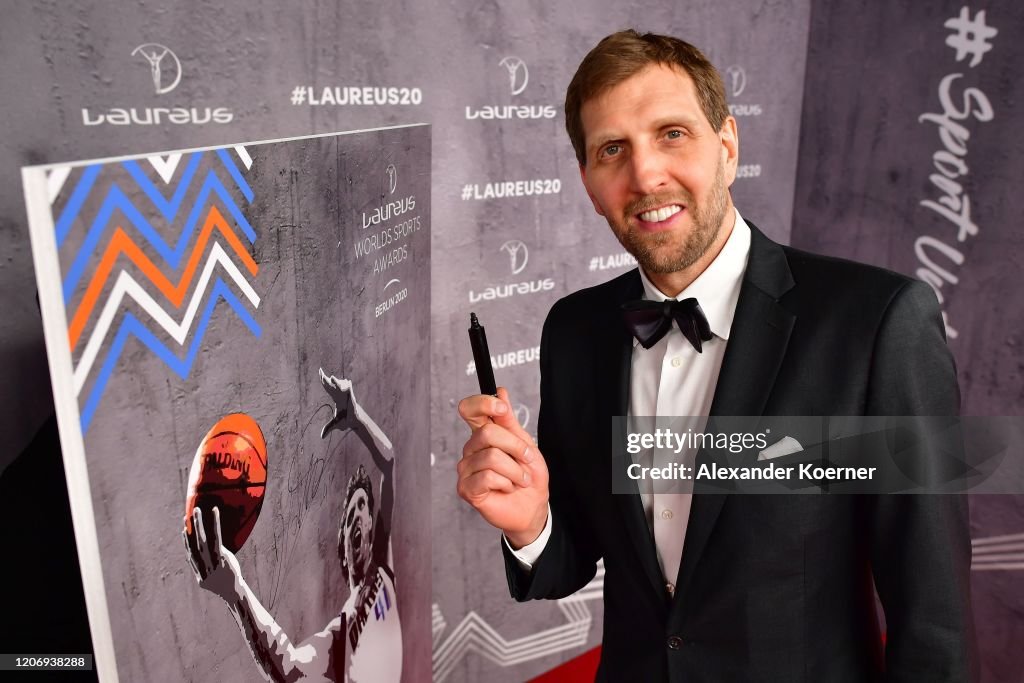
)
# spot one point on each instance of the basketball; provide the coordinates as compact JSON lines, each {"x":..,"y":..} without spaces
{"x":229,"y":472}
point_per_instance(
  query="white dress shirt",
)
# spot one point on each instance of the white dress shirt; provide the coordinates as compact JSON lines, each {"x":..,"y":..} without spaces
{"x":672,"y":379}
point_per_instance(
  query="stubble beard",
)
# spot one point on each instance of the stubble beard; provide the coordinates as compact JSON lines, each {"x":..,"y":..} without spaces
{"x":648,"y":248}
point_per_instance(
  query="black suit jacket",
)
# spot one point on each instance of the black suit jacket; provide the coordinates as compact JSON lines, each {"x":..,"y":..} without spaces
{"x":771,"y":588}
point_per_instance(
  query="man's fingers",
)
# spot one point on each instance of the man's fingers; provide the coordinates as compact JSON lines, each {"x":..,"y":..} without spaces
{"x":479,"y":410}
{"x":497,"y":461}
{"x":495,"y":436}
{"x":477,"y":486}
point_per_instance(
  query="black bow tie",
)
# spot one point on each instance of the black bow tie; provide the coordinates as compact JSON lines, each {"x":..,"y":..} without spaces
{"x":649,"y":321}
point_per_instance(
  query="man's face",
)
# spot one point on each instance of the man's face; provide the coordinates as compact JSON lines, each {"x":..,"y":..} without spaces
{"x":657,"y":170}
{"x":357,"y":535}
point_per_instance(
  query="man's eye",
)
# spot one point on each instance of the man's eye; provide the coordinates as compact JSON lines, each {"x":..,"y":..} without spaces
{"x":611,"y":150}
{"x":674,"y":134}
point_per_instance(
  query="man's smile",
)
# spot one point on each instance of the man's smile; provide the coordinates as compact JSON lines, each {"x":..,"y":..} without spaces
{"x":662,"y":214}
{"x":659,"y":218}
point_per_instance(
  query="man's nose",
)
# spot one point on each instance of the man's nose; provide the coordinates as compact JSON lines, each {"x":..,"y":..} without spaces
{"x":649,"y":170}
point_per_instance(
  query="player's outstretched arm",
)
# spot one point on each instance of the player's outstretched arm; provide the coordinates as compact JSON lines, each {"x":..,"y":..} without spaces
{"x":217,"y":570}
{"x":348,"y":414}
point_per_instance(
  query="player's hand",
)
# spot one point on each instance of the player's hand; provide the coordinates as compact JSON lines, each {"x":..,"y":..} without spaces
{"x":344,"y":403}
{"x":215,"y":566}
{"x":502,"y":472}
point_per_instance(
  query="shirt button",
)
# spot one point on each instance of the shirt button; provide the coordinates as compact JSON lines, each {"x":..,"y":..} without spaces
{"x":675,"y":643}
{"x":677,"y":361}
{"x":666,"y":514}
{"x":671,"y":588}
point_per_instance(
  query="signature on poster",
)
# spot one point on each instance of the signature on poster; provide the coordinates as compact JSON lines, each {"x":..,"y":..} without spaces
{"x":364,"y":642}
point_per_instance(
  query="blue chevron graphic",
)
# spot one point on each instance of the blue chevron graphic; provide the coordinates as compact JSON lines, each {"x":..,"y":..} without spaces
{"x":233,"y":170}
{"x":116,"y":199}
{"x":169,"y":208}
{"x":74,"y":204}
{"x":132,"y":326}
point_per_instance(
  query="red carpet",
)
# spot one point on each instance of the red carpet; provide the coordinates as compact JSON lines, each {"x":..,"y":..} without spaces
{"x":581,"y":669}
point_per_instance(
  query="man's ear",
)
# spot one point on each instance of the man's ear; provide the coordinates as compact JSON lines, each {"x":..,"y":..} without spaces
{"x":583,"y":177}
{"x":730,"y":137}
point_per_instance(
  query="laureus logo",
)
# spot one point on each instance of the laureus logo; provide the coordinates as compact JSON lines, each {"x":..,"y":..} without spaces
{"x":518,"y":74}
{"x":737,"y":80}
{"x":518,"y":255}
{"x":518,"y":77}
{"x":163,"y":70}
{"x":392,"y":174}
{"x":522,"y":415}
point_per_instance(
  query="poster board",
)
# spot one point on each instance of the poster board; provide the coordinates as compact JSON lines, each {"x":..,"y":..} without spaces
{"x":277,"y":280}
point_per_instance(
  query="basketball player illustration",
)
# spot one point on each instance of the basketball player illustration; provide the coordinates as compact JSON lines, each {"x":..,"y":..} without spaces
{"x":364,"y":642}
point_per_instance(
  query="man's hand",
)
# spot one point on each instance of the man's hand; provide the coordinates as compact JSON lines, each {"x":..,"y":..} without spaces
{"x":502,"y":473}
{"x":215,"y":566}
{"x":345,"y":405}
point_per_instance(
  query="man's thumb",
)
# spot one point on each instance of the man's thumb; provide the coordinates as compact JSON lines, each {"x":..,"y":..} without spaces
{"x":509,"y":420}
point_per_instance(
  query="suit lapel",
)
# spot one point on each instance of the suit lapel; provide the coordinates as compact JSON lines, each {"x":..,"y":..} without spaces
{"x":757,"y":344}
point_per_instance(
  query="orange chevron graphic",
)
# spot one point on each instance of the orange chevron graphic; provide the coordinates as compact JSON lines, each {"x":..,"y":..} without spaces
{"x":122,"y":243}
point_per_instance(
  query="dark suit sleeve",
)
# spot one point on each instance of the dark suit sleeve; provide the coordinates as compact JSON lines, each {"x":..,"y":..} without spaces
{"x":569,"y":560}
{"x":920,"y":544}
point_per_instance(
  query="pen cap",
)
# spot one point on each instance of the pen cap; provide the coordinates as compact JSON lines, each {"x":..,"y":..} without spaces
{"x":481,"y":356}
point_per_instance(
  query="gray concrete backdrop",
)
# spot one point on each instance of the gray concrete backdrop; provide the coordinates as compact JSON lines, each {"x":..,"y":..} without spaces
{"x":250,"y":58}
{"x":867,"y":161}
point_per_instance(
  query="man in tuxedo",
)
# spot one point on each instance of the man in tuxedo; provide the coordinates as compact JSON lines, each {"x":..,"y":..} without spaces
{"x":714,"y":587}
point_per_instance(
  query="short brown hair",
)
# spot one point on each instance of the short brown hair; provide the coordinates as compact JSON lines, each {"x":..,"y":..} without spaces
{"x":623,"y":55}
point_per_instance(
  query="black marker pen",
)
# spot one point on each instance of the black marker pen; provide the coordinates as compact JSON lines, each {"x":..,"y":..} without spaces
{"x":481,"y":356}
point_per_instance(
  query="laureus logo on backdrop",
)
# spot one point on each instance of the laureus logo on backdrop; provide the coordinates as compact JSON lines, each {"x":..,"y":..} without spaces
{"x":737,"y":80}
{"x":155,"y":53}
{"x":522,"y":415}
{"x":518,"y":253}
{"x":165,"y":73}
{"x":736,"y":83}
{"x":518,"y":75}
{"x":519,"y":256}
